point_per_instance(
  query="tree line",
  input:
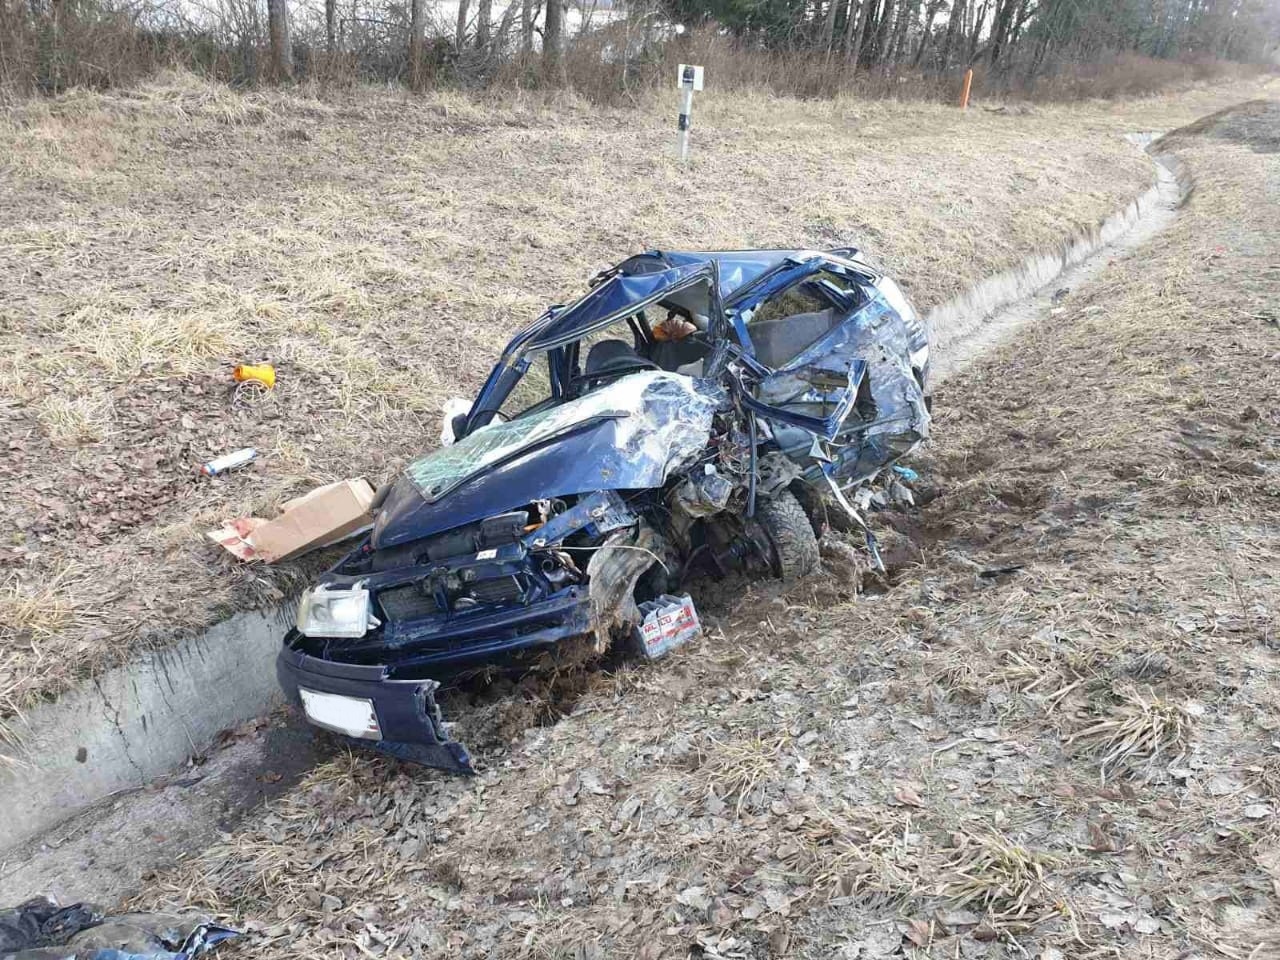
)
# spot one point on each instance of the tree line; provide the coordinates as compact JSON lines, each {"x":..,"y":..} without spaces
{"x":806,"y":47}
{"x":938,"y":34}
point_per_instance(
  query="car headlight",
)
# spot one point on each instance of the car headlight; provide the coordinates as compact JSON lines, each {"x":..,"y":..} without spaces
{"x":324,"y":612}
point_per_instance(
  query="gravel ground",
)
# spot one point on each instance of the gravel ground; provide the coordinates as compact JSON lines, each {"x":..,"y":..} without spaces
{"x":1051,"y":731}
{"x":379,"y":249}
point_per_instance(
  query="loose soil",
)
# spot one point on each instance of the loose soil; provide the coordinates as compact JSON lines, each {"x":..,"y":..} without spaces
{"x":1052,"y":732}
{"x":380,"y":249}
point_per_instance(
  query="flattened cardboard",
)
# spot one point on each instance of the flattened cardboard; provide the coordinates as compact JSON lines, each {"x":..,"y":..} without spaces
{"x":326,"y":515}
{"x":323,"y":516}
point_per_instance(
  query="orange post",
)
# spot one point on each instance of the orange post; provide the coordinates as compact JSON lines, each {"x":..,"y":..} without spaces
{"x":964,"y":91}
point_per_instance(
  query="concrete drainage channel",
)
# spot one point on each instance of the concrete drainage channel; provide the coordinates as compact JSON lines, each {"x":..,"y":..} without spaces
{"x":992,"y":309}
{"x":99,"y":786}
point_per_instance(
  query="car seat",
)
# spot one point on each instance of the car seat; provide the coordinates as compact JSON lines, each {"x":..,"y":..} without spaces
{"x":777,"y":341}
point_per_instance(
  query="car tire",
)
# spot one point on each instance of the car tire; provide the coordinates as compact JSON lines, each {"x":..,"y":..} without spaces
{"x":790,"y":534}
{"x":822,"y":510}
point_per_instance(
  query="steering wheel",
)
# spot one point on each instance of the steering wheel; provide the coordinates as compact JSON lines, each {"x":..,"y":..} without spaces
{"x":616,"y":368}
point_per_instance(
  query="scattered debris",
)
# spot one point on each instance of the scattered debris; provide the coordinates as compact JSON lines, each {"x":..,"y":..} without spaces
{"x":228,"y":461}
{"x":41,"y":930}
{"x":262,"y":373}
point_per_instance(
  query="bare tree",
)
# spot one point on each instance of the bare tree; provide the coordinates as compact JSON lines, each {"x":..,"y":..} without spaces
{"x":829,"y":26}
{"x":504,"y":28}
{"x":527,"y":17}
{"x":880,"y":48}
{"x":281,"y":49}
{"x":330,"y":21}
{"x":930,"y":14}
{"x":908,"y":14}
{"x":1001,"y":28}
{"x":552,"y":33}
{"x":954,"y":24}
{"x":975,"y":32}
{"x":484,"y":23}
{"x":855,"y":8}
{"x":460,"y":34}
{"x":416,"y":28}
{"x":859,"y":41}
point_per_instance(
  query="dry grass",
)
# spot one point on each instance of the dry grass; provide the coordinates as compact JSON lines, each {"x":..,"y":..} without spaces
{"x":380,"y":249}
{"x":71,"y":421}
{"x":1006,"y":878}
{"x":1139,"y":729}
{"x":32,"y":620}
{"x":733,"y":771}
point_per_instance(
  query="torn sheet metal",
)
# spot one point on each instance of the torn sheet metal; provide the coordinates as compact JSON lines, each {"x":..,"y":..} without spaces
{"x":630,"y":434}
{"x":660,"y":420}
{"x":612,"y":574}
{"x":41,"y":930}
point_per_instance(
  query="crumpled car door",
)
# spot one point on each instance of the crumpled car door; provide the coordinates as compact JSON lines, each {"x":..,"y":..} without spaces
{"x":853,"y":387}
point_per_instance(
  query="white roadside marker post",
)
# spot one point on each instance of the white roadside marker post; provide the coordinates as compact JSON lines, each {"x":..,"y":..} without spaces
{"x":689,"y":79}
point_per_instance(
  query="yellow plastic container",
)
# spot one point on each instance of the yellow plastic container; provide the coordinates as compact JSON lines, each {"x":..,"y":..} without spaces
{"x":263,"y":373}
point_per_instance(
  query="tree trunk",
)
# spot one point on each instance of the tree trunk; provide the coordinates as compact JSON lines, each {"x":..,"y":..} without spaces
{"x":484,"y":13}
{"x":851,"y":21}
{"x":330,"y":24}
{"x":880,"y":48}
{"x":930,"y":13}
{"x":975,"y":35}
{"x":954,"y":20}
{"x":460,"y":31}
{"x":1020,"y":21}
{"x":1000,"y":29}
{"x":552,"y":34}
{"x":868,"y":11}
{"x":829,"y":27}
{"x":281,"y":49}
{"x":907,"y":16}
{"x":526,"y":26}
{"x":504,"y":28}
{"x":416,"y":28}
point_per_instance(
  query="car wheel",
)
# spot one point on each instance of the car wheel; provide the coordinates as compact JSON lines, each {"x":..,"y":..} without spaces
{"x":790,"y":534}
{"x":822,"y":510}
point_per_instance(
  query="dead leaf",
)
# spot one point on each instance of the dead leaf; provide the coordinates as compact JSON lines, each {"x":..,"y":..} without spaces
{"x":919,"y":932}
{"x":907,"y":796}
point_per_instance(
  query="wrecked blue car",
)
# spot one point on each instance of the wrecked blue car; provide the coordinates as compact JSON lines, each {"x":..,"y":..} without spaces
{"x":692,"y":413}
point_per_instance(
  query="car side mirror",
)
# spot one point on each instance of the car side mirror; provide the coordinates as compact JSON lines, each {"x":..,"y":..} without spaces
{"x":459,"y":426}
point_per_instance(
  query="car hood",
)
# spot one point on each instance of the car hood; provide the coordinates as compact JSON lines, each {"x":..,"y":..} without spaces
{"x":631,"y":434}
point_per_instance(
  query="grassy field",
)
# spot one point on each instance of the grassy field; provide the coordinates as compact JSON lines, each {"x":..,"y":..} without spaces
{"x":380,"y":249}
{"x":1052,"y":733}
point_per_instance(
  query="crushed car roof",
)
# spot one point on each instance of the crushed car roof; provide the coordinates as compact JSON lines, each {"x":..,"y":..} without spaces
{"x":652,"y":276}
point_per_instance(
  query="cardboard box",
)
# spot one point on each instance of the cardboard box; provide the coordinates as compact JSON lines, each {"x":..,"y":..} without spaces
{"x":326,"y":515}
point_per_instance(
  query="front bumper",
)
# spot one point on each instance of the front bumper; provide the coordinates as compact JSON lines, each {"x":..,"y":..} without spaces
{"x":408,"y":715}
{"x":406,"y":709}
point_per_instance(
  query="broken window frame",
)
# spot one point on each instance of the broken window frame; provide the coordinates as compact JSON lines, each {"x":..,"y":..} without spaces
{"x":560,"y":348}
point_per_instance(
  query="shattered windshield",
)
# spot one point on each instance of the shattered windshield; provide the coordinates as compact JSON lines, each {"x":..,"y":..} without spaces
{"x":441,"y":470}
{"x":664,"y":437}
